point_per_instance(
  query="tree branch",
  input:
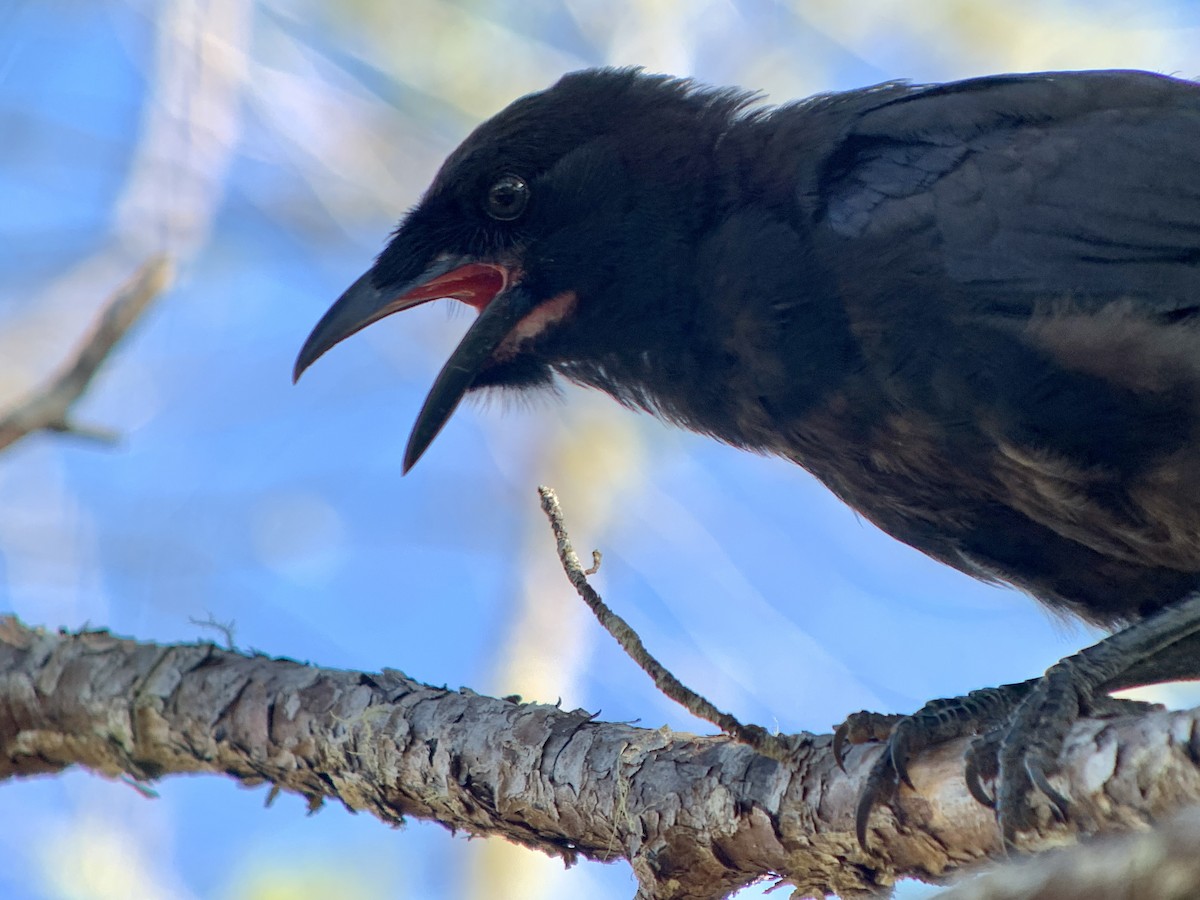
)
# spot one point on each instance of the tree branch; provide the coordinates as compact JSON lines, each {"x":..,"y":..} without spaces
{"x":754,"y":736}
{"x":1160,"y":864}
{"x":697,"y":817}
{"x":49,"y":408}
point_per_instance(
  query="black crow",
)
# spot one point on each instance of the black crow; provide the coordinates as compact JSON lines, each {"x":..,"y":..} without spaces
{"x":970,"y":309}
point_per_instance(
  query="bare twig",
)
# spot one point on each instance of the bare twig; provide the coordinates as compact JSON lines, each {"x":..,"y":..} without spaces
{"x":752,"y":735}
{"x":225,"y":629}
{"x":49,"y":408}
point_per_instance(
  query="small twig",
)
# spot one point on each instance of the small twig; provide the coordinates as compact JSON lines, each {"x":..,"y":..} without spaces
{"x":225,"y":629}
{"x":140,"y":786}
{"x":49,"y":407}
{"x":95,"y":433}
{"x":752,"y":735}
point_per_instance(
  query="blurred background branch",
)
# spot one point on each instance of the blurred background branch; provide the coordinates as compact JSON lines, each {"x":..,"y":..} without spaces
{"x":50,"y":407}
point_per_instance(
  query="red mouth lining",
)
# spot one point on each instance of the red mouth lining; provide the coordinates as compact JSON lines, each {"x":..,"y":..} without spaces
{"x":475,"y":284}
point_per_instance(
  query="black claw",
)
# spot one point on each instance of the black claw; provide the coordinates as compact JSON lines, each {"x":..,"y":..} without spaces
{"x":862,"y":816}
{"x":1019,"y":731}
{"x":839,"y":746}
{"x":878,"y":789}
{"x":976,"y":789}
{"x":1061,"y":806}
{"x":899,"y":751}
{"x":982,"y":765}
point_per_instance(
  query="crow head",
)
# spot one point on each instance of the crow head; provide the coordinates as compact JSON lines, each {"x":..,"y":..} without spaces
{"x":567,"y":221}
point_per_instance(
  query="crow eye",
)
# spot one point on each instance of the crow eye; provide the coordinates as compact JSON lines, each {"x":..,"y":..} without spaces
{"x":506,"y":199}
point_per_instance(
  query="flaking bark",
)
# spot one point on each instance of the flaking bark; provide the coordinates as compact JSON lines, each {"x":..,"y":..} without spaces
{"x":696,"y":817}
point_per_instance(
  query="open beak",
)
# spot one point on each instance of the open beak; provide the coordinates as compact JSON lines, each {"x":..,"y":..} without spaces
{"x":485,"y":286}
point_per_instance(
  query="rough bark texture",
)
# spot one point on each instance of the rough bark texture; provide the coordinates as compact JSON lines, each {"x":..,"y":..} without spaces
{"x":696,"y":817}
{"x":1152,"y":865}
